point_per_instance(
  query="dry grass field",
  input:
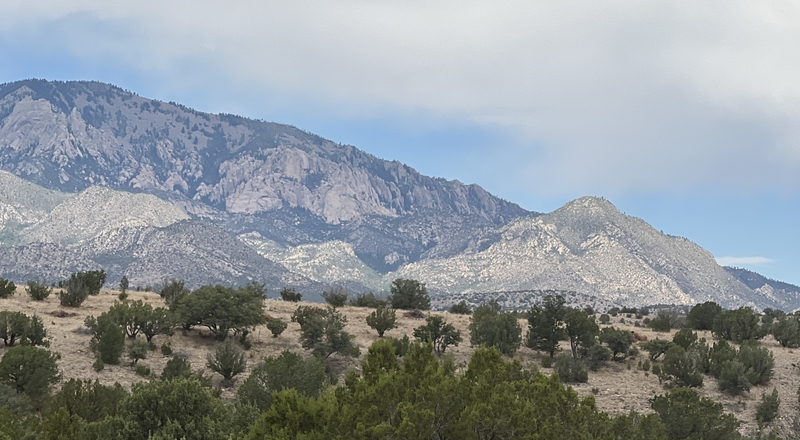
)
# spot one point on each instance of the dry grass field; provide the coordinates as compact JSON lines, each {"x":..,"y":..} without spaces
{"x":619,"y":387}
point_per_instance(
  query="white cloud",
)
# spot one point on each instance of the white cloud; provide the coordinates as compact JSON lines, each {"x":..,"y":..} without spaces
{"x":615,"y":96}
{"x":743,"y":261}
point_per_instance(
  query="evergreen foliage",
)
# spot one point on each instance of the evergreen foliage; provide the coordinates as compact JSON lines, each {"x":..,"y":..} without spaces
{"x":409,"y":294}
{"x":737,"y":325}
{"x":438,"y":332}
{"x":492,"y":327}
{"x":137,"y":351}
{"x":324,"y":334}
{"x":16,"y":402}
{"x":289,"y":370}
{"x":544,"y":330}
{"x":30,"y":370}
{"x":12,"y":326}
{"x":618,"y":341}
{"x":382,"y":319}
{"x":688,"y":416}
{"x":291,"y":295}
{"x":681,"y":368}
{"x":172,"y":289}
{"x":108,"y":338}
{"x":685,"y":338}
{"x":702,"y":316}
{"x":276,"y":326}
{"x":38,"y":291}
{"x":221,"y":309}
{"x":228,"y":361}
{"x":336,"y":297}
{"x":460,"y":308}
{"x":123,"y":285}
{"x":596,"y":356}
{"x":582,"y":331}
{"x":787,"y":331}
{"x":657,"y":347}
{"x":570,"y":369}
{"x":74,"y":292}
{"x":7,"y":288}
{"x":91,"y":401}
{"x":660,"y":323}
{"x":368,"y":299}
{"x":767,"y":409}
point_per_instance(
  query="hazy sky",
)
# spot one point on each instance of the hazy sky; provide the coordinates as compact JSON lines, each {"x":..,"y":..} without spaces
{"x":686,"y":114}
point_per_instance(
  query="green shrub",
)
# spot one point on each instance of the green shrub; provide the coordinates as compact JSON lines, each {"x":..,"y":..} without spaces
{"x":228,"y":361}
{"x":661,"y":323}
{"x":439,"y":333}
{"x":143,"y":370}
{"x":547,"y":362}
{"x":74,"y":293}
{"x":166,"y":349}
{"x":30,"y":370}
{"x":98,"y":364}
{"x":35,"y":332}
{"x":89,"y":400}
{"x":732,"y":377}
{"x":596,"y":356}
{"x":605,"y":319}
{"x":172,"y":289}
{"x":721,"y":353}
{"x":618,"y":341}
{"x":688,"y":416}
{"x":324,"y":334}
{"x":137,"y":351}
{"x":7,"y":288}
{"x":302,"y":314}
{"x":288,"y":370}
{"x":16,"y":402}
{"x":368,"y":300}
{"x":108,"y":339}
{"x":758,"y":362}
{"x":409,"y":294}
{"x":38,"y":291}
{"x":737,"y":325}
{"x":682,"y":368}
{"x":336,"y":297}
{"x":12,"y":326}
{"x":767,"y":409}
{"x":460,"y":309}
{"x":381,"y":320}
{"x":685,"y":338}
{"x":494,"y":328}
{"x":176,"y":367}
{"x":702,"y":316}
{"x":657,"y":347}
{"x":222,"y":309}
{"x":276,"y":326}
{"x":787,"y":331}
{"x":291,"y":295}
{"x":570,"y":369}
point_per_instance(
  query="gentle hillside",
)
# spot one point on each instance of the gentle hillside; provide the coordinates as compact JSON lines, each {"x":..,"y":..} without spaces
{"x":618,"y":388}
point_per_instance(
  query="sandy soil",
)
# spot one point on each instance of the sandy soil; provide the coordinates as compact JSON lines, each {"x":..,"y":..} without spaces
{"x":619,"y":387}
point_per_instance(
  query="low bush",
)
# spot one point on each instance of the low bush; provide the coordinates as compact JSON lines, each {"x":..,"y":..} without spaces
{"x":767,"y":409}
{"x":336,"y":297}
{"x":368,"y":300}
{"x":570,"y":369}
{"x":38,"y":291}
{"x":291,"y":295}
{"x":460,"y":308}
{"x":276,"y":326}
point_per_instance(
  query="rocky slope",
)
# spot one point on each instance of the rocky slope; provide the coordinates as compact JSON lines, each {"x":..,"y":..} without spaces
{"x":588,"y":246}
{"x":137,"y":235}
{"x":242,"y":174}
{"x":306,"y":211}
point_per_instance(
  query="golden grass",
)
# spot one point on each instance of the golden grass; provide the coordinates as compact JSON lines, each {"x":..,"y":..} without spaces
{"x":622,"y":386}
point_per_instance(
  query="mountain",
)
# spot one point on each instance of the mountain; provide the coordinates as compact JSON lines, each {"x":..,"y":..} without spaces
{"x":590,"y":247}
{"x":137,"y":235}
{"x":152,"y":189}
{"x":290,"y":186}
{"x":766,"y":286}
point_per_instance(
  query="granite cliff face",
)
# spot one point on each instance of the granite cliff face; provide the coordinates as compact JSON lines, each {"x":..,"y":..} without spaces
{"x":588,"y":246}
{"x":239,"y":173}
{"x":152,"y":189}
